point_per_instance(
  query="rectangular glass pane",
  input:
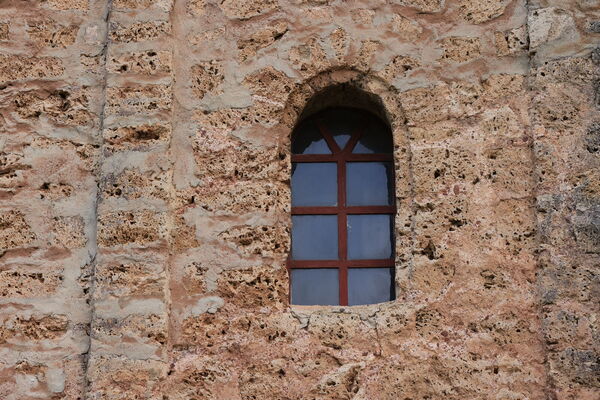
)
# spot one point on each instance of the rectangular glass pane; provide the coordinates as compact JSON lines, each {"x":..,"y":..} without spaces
{"x":369,"y":183}
{"x":315,"y":286}
{"x":314,"y":184}
{"x":370,"y":285}
{"x":314,"y":237}
{"x":370,"y":236}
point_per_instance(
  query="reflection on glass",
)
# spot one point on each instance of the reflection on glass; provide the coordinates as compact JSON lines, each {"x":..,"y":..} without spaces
{"x":377,"y":138}
{"x":370,"y":285}
{"x":369,"y":237}
{"x":314,"y":184}
{"x":315,"y":286}
{"x":314,"y":237}
{"x":369,"y":184}
{"x":308,"y":140}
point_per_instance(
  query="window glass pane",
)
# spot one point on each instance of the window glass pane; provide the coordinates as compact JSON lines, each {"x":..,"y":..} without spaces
{"x":370,"y":285}
{"x":369,"y":184}
{"x":342,"y":123}
{"x":308,"y":140}
{"x":314,"y":184}
{"x":376,"y":139}
{"x":314,"y":237}
{"x":315,"y":286}
{"x":369,"y":237}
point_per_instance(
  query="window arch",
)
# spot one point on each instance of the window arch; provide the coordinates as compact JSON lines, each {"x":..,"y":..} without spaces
{"x":343,"y":207}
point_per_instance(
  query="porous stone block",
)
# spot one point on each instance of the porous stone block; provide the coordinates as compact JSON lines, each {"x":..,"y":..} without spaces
{"x":461,"y":49}
{"x":140,"y":31}
{"x":478,"y":12}
{"x":15,"y":231}
{"x":136,"y":138}
{"x":14,"y":67}
{"x":245,"y":9}
{"x":143,"y":63}
{"x":47,"y":33}
{"x":207,"y":77}
{"x":261,"y":39}
{"x":139,"y":227}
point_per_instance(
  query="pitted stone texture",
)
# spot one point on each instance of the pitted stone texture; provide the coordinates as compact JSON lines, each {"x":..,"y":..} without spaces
{"x":144,"y":63}
{"x":14,"y":230}
{"x":261,"y":39}
{"x":140,"y":227}
{"x":140,"y":31}
{"x":14,"y":67}
{"x":207,"y":78}
{"x":422,"y":5}
{"x":245,"y":9}
{"x":136,"y":138}
{"x":460,"y":49}
{"x":46,"y":33}
{"x":478,"y":12}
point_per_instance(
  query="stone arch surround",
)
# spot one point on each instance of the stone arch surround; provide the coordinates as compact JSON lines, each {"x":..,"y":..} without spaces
{"x":135,"y":267}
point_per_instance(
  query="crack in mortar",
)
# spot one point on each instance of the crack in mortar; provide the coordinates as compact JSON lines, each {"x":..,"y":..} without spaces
{"x":94,"y":260}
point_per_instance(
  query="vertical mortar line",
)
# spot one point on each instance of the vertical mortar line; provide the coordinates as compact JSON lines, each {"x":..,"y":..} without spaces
{"x":175,"y":108}
{"x":94,"y":258}
{"x":550,"y":388}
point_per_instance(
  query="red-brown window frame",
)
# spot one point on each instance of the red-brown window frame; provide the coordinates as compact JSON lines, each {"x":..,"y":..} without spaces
{"x":341,"y":157}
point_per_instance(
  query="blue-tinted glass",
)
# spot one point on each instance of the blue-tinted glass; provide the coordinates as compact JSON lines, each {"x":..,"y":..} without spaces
{"x":342,"y":123}
{"x":318,"y":286}
{"x":370,"y":285}
{"x":314,"y":237}
{"x":314,"y":184}
{"x":377,"y":138}
{"x":369,"y":184}
{"x":308,"y":140}
{"x":369,"y":237}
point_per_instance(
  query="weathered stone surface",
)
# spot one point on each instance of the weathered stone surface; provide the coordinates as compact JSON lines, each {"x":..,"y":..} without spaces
{"x":145,"y":177}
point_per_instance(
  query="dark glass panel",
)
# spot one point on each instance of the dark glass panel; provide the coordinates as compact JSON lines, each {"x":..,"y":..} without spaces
{"x":314,"y":184}
{"x":377,"y":138}
{"x":369,"y":183}
{"x":369,"y":237}
{"x":370,"y":285}
{"x":308,"y":140}
{"x":315,"y":286}
{"x":341,"y":124}
{"x":314,"y":237}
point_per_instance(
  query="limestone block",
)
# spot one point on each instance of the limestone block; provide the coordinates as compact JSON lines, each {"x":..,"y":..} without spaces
{"x":24,"y":283}
{"x":133,"y":279}
{"x":130,"y":100}
{"x":67,"y":106}
{"x":134,"y":184}
{"x":409,"y":29}
{"x":548,"y":24}
{"x":196,"y":7}
{"x":428,"y":6}
{"x":478,"y":12}
{"x":254,"y":288}
{"x":55,"y":190}
{"x":140,"y":227}
{"x":461,"y":49}
{"x":362,"y":16}
{"x":339,"y":41}
{"x":35,"y":328}
{"x":261,"y":39}
{"x":207,"y":77}
{"x":139,"y":31}
{"x":162,"y":5}
{"x":4,"y":30}
{"x":399,"y":67}
{"x":14,"y":230}
{"x":144,"y":63}
{"x":66,"y":4}
{"x":69,"y":232}
{"x":309,"y":57}
{"x":13,"y":166}
{"x":245,"y":9}
{"x":14,"y":67}
{"x":47,"y":33}
{"x":136,"y":138}
{"x":512,"y":42}
{"x":264,"y":240}
{"x":269,"y":83}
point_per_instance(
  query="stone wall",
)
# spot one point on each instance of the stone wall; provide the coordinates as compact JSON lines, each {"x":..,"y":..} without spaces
{"x":144,"y":187}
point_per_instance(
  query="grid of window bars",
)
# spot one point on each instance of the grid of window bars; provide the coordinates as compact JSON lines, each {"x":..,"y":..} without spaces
{"x":343,"y":207}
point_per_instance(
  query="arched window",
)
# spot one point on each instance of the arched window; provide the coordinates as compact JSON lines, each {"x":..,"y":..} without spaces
{"x":343,"y":207}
